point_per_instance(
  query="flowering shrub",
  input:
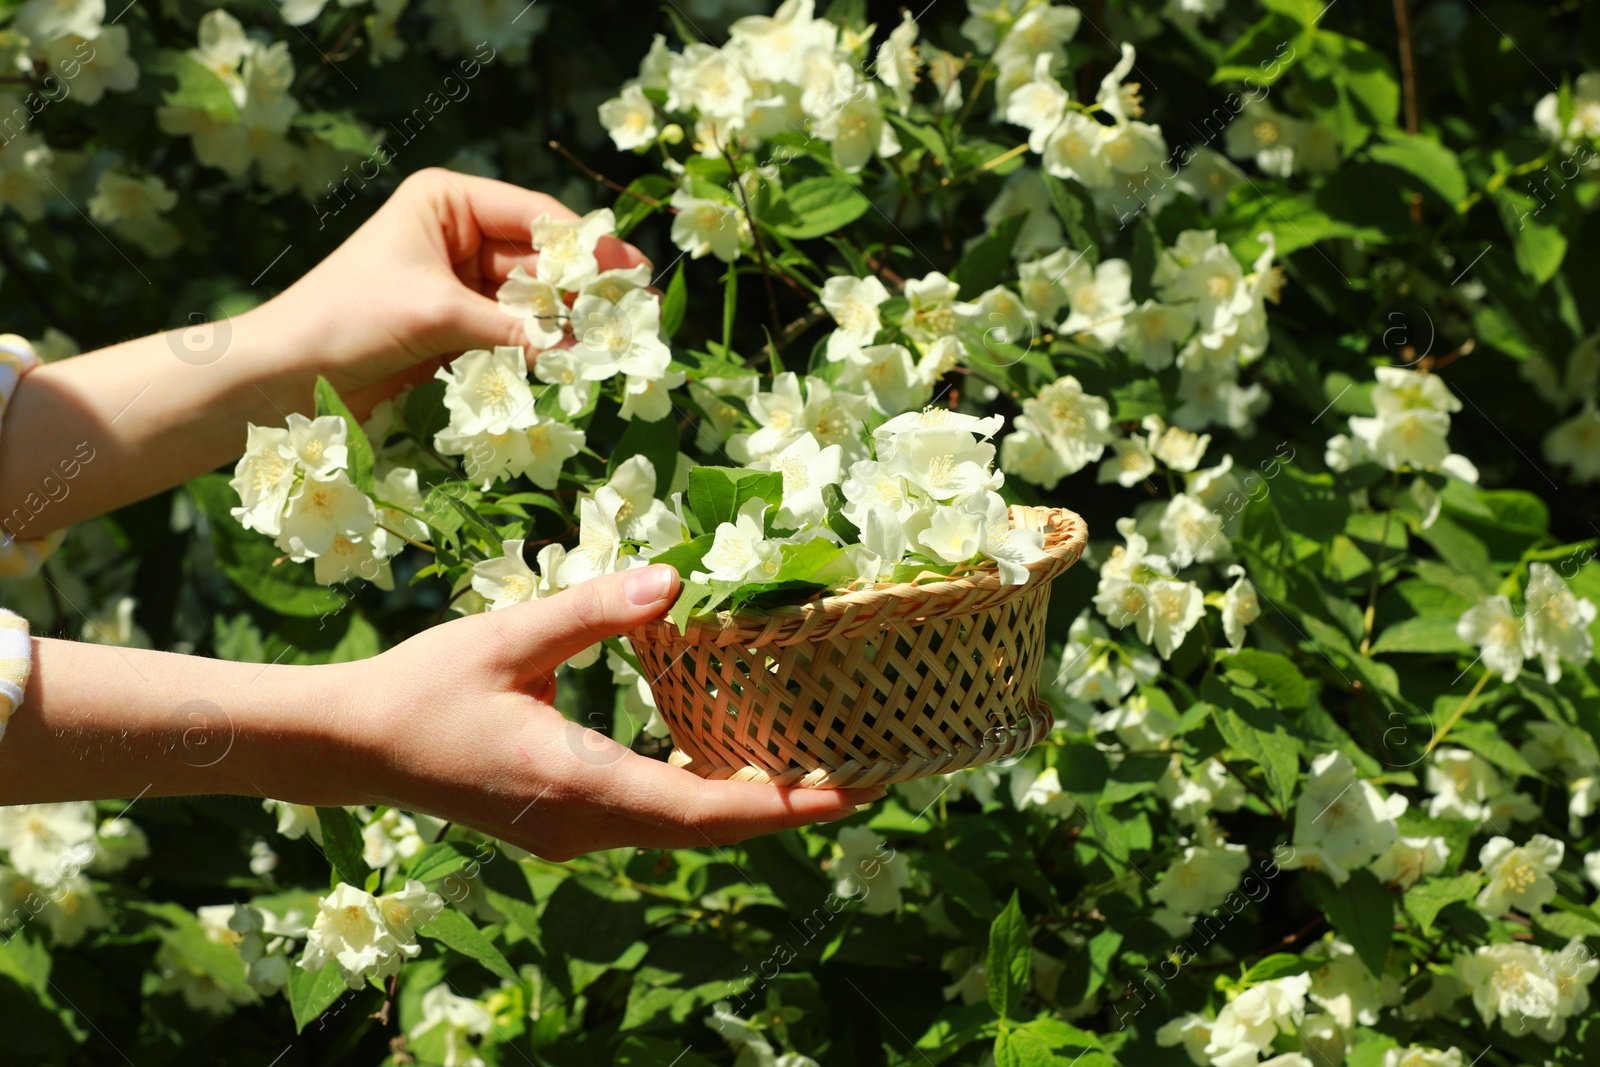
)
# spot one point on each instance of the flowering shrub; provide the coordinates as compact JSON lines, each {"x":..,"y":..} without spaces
{"x":1285,"y":299}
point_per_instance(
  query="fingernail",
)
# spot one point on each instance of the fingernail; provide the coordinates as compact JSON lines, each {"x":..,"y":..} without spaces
{"x":649,"y":584}
{"x":838,"y":815}
{"x":868,"y":795}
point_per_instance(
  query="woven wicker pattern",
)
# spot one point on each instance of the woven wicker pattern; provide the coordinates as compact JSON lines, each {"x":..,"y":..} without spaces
{"x":868,"y":687}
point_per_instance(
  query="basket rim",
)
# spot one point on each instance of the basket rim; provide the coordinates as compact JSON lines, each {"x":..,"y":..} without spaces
{"x":1066,"y":536}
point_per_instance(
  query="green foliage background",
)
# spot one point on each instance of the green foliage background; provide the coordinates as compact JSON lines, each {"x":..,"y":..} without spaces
{"x":1466,"y":243}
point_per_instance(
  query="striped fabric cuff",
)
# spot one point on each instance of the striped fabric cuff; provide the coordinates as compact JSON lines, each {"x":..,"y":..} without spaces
{"x":16,"y":663}
{"x":19,"y":559}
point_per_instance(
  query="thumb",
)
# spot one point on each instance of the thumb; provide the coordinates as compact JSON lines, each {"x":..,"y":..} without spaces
{"x":546,"y":633}
{"x":476,"y":321}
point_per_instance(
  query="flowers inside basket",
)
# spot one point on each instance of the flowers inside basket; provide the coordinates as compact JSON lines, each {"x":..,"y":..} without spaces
{"x":853,"y":631}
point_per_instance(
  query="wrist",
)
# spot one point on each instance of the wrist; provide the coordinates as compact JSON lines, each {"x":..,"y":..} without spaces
{"x":101,"y":723}
{"x":277,"y":352}
{"x":313,"y":740}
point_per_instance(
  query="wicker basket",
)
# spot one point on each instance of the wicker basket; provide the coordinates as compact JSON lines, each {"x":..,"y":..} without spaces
{"x":868,"y":687}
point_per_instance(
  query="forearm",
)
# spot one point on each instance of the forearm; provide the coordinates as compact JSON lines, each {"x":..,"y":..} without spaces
{"x":99,"y":722}
{"x":85,"y":435}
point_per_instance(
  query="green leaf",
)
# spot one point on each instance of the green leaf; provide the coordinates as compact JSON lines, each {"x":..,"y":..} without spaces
{"x":1278,"y":965}
{"x":199,"y":87}
{"x":1487,"y":741}
{"x":656,"y":1052}
{"x":439,"y":860}
{"x":927,"y":136}
{"x":1146,"y":252}
{"x":343,"y":638}
{"x":686,"y":557}
{"x":805,"y":561}
{"x":1568,"y":919}
{"x":1271,"y":749}
{"x":457,"y":932}
{"x":360,"y":465}
{"x":675,"y":304}
{"x":341,"y":843}
{"x":313,"y":992}
{"x":691,"y":595}
{"x":249,"y":558}
{"x":425,"y":413}
{"x":1426,"y":633}
{"x":1136,"y":399}
{"x":1362,"y":911}
{"x":1371,"y":1049}
{"x":1366,"y":77}
{"x":1020,"y":1048}
{"x":1534,"y":226}
{"x":1010,"y":960}
{"x":1076,"y":209}
{"x":982,"y":268}
{"x":340,"y":130}
{"x":822,"y":206}
{"x":712,"y":496}
{"x":1466,"y":554}
{"x":1276,"y":673}
{"x":1426,"y":160}
{"x":656,"y":441}
{"x":1060,"y":1035}
{"x":194,"y":951}
{"x":631,"y":210}
{"x":1264,"y":52}
{"x":717,"y":493}
{"x":1429,"y":897}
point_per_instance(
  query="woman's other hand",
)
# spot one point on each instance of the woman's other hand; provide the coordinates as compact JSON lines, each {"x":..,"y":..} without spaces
{"x":416,"y":284}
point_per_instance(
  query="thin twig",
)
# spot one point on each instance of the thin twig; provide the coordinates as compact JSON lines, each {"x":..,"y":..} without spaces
{"x":1371,"y":614}
{"x":457,"y":595}
{"x":1255,"y":790}
{"x":1408,"y":66}
{"x":1408,"y":82}
{"x":622,"y":190}
{"x":888,"y":275}
{"x":1286,"y":941}
{"x":761,"y":252}
{"x":382,"y":1014}
{"x":790,"y":332}
{"x":1455,"y":716}
{"x":413,"y":542}
{"x":337,"y":53}
{"x":1004,"y":158}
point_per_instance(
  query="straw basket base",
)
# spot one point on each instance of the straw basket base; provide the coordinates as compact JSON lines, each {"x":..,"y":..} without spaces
{"x":869,"y":687}
{"x":857,"y":775}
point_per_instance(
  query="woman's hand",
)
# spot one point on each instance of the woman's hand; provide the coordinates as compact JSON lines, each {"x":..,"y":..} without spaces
{"x":464,"y":728}
{"x":458,"y":722}
{"x":412,"y":287}
{"x":416,"y":284}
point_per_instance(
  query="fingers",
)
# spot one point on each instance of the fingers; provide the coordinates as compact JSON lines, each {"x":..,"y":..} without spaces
{"x":503,"y":214}
{"x":496,"y":258}
{"x":616,"y":254}
{"x":678,"y":809}
{"x":500,"y":210}
{"x":478,"y":322}
{"x":542,"y":634}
